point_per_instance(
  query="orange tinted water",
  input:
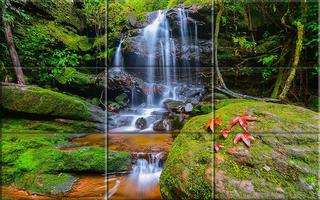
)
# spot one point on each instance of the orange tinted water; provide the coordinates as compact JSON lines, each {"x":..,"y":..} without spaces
{"x":94,"y":186}
{"x":127,"y":189}
{"x":87,"y":187}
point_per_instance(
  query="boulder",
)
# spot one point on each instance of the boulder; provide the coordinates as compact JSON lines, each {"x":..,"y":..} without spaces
{"x":158,"y":126}
{"x":40,"y":101}
{"x":77,"y":82}
{"x":174,"y":105}
{"x":141,"y":123}
{"x":282,"y":162}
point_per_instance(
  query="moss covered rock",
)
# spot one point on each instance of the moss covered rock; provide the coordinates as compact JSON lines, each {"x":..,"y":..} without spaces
{"x":36,"y":100}
{"x":281,"y":163}
{"x":33,"y":162}
{"x":60,"y":126}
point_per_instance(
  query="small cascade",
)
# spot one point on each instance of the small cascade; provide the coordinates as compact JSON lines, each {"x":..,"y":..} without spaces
{"x":184,"y":34}
{"x":197,"y":52}
{"x":118,"y":58}
{"x":146,"y":172}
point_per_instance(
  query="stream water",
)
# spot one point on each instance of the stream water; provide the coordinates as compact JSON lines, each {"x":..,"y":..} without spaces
{"x":160,"y":67}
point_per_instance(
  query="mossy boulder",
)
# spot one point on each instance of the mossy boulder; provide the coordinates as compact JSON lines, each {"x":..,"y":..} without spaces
{"x":281,"y":163}
{"x":57,"y":126}
{"x":76,"y":82}
{"x":40,"y":101}
{"x":61,"y":11}
{"x":46,"y":183}
{"x":33,"y":162}
{"x":118,"y":161}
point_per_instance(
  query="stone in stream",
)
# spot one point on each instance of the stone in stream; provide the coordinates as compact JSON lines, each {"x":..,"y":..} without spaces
{"x":159,"y":126}
{"x":141,"y":123}
{"x":173,"y":105}
{"x":188,"y":107}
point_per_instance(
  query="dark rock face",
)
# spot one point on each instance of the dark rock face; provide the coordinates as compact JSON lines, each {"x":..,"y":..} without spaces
{"x":141,"y":123}
{"x":123,"y":83}
{"x":173,"y":105}
{"x":196,"y":15}
{"x":158,"y":126}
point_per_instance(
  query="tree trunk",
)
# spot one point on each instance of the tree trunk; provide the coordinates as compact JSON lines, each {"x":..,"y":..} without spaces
{"x":296,"y":59}
{"x":216,"y":34}
{"x":13,"y":54}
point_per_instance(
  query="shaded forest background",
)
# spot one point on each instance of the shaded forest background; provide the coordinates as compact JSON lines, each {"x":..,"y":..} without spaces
{"x":264,"y":48}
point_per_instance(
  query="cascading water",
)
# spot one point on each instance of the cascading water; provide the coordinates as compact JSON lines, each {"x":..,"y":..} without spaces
{"x":118,"y":58}
{"x":146,"y":172}
{"x":161,"y":47}
{"x":182,"y":14}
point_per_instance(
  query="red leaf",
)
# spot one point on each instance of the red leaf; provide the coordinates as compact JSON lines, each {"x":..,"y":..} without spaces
{"x":235,"y":121}
{"x":217,"y":147}
{"x":224,"y":132}
{"x":246,"y":138}
{"x":237,"y":138}
{"x":212,"y":122}
{"x":217,"y":121}
{"x":250,"y":118}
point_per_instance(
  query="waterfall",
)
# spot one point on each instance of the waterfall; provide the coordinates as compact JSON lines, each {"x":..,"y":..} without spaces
{"x":156,"y":37}
{"x":184,"y":34}
{"x":197,"y":52}
{"x":118,"y":58}
{"x":146,"y":172}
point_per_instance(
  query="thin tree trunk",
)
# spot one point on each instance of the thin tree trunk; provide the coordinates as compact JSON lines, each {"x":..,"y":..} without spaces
{"x":300,"y":29}
{"x":13,"y":53}
{"x":216,"y":34}
{"x":222,"y":86}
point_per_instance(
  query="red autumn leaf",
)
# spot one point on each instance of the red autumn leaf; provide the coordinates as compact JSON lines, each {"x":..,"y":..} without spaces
{"x":246,"y":138}
{"x":224,"y":132}
{"x":212,"y":122}
{"x":235,"y":121}
{"x":217,"y":147}
{"x":217,"y":121}
{"x":243,"y":121}
{"x":250,"y":118}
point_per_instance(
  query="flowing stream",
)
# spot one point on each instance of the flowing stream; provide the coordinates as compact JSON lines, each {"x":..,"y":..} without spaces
{"x":161,"y":68}
{"x":160,"y":63}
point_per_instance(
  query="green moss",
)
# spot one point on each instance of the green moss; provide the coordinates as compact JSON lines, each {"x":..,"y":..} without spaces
{"x":70,"y":39}
{"x":267,"y":165}
{"x":118,"y":161}
{"x":77,"y":78}
{"x":46,"y":183}
{"x":26,"y":126}
{"x":36,"y":100}
{"x":61,"y":10}
{"x":202,"y":108}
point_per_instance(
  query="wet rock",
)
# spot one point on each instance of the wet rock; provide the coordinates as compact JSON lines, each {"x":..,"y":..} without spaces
{"x":141,"y":123}
{"x":123,"y":82}
{"x":158,"y":126}
{"x":174,"y":106}
{"x":188,"y":107}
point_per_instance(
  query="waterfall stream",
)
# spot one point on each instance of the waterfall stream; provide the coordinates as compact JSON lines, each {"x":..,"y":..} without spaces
{"x":160,"y":44}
